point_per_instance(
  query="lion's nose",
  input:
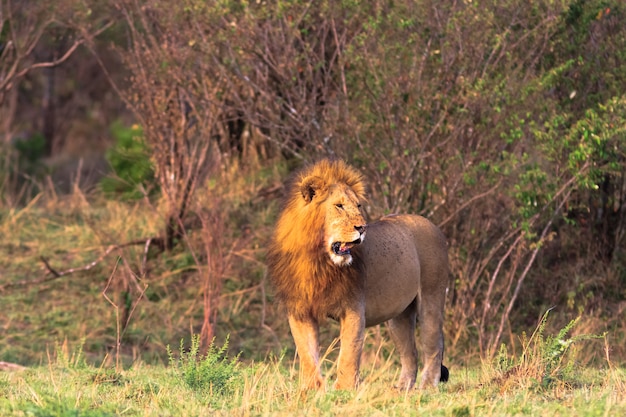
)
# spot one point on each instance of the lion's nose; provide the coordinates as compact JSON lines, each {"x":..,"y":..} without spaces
{"x":360,"y":229}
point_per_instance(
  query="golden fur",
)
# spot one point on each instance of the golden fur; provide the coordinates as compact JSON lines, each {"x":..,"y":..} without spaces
{"x":324,"y":262}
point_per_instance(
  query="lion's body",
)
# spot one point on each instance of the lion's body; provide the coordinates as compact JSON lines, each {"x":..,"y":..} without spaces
{"x":324,"y":263}
{"x":408,"y":252}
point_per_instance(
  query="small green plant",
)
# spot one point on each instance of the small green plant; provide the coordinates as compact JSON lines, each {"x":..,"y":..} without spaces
{"x":130,"y":160}
{"x":21,"y":162}
{"x":545,"y":360}
{"x":213,"y":372}
{"x":70,"y":359}
{"x":31,"y":149}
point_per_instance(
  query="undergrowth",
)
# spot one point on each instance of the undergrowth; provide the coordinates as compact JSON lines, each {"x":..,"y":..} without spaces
{"x":130,"y":160}
{"x":545,"y":360}
{"x":212,"y":373}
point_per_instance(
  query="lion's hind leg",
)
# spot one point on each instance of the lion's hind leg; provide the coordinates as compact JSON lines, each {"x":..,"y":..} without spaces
{"x":402,"y":329}
{"x":431,"y":334}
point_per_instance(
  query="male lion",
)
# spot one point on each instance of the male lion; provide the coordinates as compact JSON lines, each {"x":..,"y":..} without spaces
{"x":322,"y":266}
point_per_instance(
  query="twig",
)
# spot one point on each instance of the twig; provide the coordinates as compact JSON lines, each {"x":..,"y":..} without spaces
{"x":144,"y":260}
{"x":54,"y":273}
{"x":51,"y":269}
{"x":118,"y":338}
{"x":470,"y":201}
{"x":520,"y":280}
{"x":121,"y":327}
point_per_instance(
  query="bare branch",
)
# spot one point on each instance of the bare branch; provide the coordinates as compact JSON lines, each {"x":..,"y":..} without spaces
{"x":470,"y":201}
{"x":54,"y":273}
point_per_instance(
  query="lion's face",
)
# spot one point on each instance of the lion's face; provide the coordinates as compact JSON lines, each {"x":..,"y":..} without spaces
{"x":322,"y":216}
{"x":344,"y":225}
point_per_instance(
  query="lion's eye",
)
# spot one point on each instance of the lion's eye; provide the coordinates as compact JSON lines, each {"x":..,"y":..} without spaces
{"x":358,"y":205}
{"x":339,"y":206}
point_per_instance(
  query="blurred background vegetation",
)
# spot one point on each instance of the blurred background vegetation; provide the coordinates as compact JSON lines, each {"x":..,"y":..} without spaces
{"x":144,"y":144}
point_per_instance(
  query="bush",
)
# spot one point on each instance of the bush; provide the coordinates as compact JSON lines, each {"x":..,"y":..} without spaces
{"x":213,"y":372}
{"x":31,"y":149}
{"x":545,"y":360}
{"x":130,"y":160}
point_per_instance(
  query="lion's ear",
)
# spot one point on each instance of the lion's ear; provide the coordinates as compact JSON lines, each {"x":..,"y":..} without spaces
{"x":310,"y":186}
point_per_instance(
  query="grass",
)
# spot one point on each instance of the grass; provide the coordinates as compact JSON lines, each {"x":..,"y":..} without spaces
{"x":72,"y":306}
{"x":544,"y":379}
{"x":164,"y":303}
{"x":67,"y":387}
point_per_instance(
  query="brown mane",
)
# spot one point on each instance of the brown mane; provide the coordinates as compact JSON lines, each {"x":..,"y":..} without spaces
{"x":305,"y":279}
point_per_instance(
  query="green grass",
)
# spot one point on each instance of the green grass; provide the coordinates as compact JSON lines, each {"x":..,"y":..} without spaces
{"x":215,"y":383}
{"x":164,"y":305}
{"x":64,"y":388}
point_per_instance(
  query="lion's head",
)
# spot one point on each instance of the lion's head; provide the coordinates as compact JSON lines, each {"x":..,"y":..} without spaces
{"x":324,"y":211}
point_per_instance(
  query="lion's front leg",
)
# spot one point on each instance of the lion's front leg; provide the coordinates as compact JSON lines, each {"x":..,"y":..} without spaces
{"x":305,"y":333}
{"x":351,"y":335}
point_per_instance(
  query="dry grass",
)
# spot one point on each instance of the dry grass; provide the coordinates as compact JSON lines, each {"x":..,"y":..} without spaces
{"x":66,"y":387}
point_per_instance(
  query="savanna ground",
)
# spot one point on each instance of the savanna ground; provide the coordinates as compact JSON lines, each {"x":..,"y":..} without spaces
{"x":143,"y":148}
{"x":65,"y":387}
{"x":94,"y":346}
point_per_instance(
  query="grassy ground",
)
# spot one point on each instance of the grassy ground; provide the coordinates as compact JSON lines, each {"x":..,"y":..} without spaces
{"x":67,"y":387}
{"x":122,"y":298}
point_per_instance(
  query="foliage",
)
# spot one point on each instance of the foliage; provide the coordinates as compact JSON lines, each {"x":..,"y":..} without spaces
{"x":544,"y":361}
{"x":212,"y":373}
{"x":129,"y":158}
{"x":31,"y":149}
{"x":21,"y":169}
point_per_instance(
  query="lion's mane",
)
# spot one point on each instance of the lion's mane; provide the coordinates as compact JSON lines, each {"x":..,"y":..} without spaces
{"x":305,"y":279}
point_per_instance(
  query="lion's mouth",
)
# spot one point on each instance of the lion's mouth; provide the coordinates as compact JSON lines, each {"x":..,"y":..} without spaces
{"x":343,"y":248}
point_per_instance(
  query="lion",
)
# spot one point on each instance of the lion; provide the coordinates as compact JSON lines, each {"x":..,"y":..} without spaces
{"x":324,"y":261}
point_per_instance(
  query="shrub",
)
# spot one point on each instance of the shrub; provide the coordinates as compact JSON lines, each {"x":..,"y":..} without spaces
{"x":31,"y":149}
{"x":212,"y":372}
{"x":130,"y":160}
{"x":545,"y":360}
